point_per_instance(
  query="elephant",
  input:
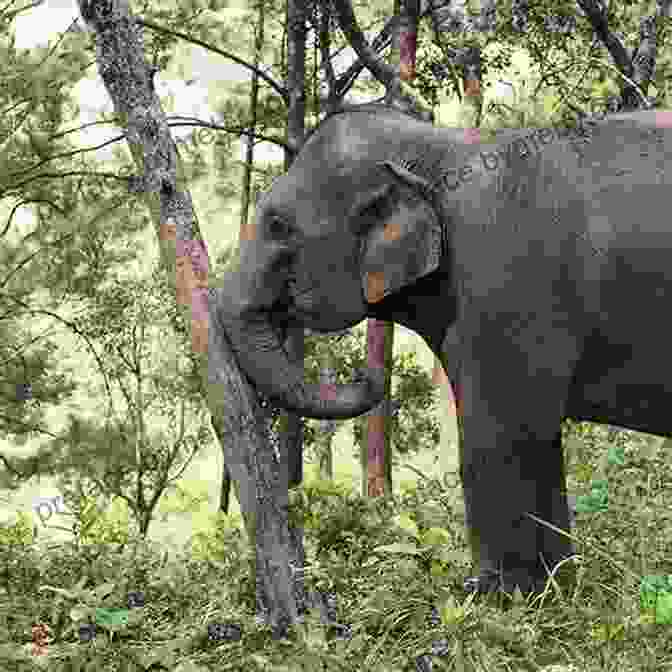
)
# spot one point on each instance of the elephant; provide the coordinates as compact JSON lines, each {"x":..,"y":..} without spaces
{"x":526,"y":263}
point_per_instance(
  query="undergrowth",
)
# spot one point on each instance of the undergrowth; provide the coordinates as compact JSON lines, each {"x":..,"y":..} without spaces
{"x":394,"y":570}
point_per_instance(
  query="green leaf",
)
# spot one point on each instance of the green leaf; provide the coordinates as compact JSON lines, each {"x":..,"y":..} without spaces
{"x":112,"y":618}
{"x":656,"y":595}
{"x":594,"y":502}
{"x":616,"y":455}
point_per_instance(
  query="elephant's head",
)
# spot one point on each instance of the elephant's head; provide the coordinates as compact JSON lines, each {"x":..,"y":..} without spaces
{"x":354,"y":220}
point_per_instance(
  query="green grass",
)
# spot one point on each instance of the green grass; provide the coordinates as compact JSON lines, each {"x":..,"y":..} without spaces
{"x":595,"y":623}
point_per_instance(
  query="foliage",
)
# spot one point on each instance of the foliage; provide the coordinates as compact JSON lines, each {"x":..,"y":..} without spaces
{"x":69,"y":248}
{"x":139,"y":458}
{"x":15,"y":545}
{"x":224,"y":543}
{"x":87,"y":224}
{"x":395,"y":566}
{"x":339,"y":521}
{"x":19,"y":532}
{"x":561,"y":76}
{"x":436,"y":73}
{"x":95,"y":523}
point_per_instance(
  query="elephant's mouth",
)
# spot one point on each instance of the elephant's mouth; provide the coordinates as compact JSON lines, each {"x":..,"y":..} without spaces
{"x":286,"y":311}
{"x":292,"y":306}
{"x":296,"y":307}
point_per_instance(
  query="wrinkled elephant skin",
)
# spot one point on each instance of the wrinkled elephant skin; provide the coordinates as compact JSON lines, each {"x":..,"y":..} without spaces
{"x":536,"y":267}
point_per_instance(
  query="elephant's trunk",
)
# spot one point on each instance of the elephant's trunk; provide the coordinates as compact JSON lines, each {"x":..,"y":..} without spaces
{"x":261,"y":355}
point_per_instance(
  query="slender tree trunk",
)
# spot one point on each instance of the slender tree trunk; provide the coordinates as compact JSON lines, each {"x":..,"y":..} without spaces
{"x":291,"y":438}
{"x":472,"y":102}
{"x":327,"y":371}
{"x":292,"y":435}
{"x":380,"y":345}
{"x":254,"y":96}
{"x":225,"y":493}
{"x":327,"y":427}
{"x":380,"y":335}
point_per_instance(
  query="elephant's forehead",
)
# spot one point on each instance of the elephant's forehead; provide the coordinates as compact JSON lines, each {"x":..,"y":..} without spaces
{"x":310,"y":193}
{"x":341,"y":142}
{"x":330,"y":168}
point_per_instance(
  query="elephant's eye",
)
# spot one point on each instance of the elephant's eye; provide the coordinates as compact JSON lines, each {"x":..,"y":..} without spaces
{"x":375,"y":209}
{"x":278,"y":228}
{"x":378,"y":207}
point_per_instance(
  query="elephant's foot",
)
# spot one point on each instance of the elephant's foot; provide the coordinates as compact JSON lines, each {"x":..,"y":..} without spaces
{"x":491,"y":581}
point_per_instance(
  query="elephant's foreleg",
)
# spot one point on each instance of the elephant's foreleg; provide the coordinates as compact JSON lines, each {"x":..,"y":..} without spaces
{"x":553,"y":506}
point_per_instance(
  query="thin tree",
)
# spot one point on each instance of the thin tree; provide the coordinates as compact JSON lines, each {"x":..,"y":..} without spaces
{"x":225,"y":492}
{"x":380,"y":334}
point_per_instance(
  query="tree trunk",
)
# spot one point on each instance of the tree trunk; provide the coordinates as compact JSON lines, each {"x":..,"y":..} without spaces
{"x":242,"y":426}
{"x":225,"y":494}
{"x":254,"y":96}
{"x":327,"y":427}
{"x":380,"y":335}
{"x":380,"y":344}
{"x":295,"y":82}
{"x":291,"y":448}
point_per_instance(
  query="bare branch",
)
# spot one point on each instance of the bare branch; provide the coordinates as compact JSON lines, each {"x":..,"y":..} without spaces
{"x":235,"y":130}
{"x":596,"y":13}
{"x":383,"y":72}
{"x":284,"y":94}
{"x":76,"y":330}
{"x":325,"y":44}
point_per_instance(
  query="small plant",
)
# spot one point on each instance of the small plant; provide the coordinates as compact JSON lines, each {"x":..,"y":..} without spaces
{"x":21,"y":532}
{"x":656,"y":597}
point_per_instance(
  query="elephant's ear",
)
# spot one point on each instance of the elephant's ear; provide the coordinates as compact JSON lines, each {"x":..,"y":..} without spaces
{"x":401,"y":234}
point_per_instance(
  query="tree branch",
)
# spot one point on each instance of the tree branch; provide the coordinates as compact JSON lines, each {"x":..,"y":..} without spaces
{"x":597,"y":15}
{"x":77,"y":331}
{"x":383,"y":72}
{"x":282,"y":92}
{"x":235,"y":130}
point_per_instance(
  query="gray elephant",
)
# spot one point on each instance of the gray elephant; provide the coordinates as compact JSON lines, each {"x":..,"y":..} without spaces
{"x":535,"y":267}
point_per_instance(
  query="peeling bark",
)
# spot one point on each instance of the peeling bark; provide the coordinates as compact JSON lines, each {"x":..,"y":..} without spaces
{"x":262,"y":491}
